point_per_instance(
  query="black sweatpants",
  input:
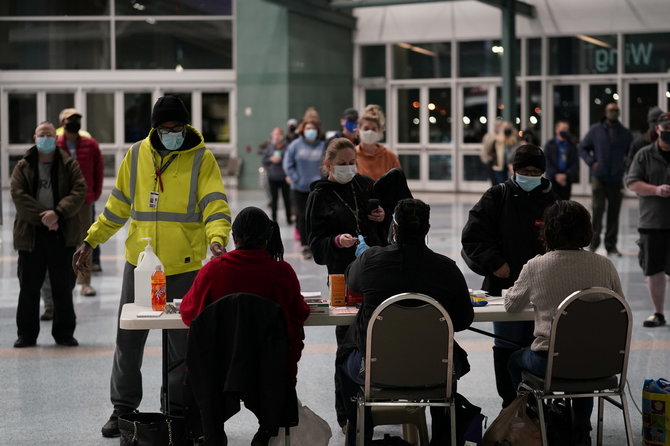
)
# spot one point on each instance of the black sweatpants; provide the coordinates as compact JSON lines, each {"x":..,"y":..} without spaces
{"x":50,"y":254}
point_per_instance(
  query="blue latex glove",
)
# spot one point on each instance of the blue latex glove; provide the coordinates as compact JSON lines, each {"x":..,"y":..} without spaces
{"x":362,"y":246}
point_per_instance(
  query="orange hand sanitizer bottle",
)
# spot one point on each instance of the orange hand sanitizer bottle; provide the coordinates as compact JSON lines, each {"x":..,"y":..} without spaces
{"x":158,"y":289}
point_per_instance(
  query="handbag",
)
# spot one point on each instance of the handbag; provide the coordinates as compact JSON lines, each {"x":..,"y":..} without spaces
{"x":513,"y":427}
{"x":312,"y":430}
{"x":151,"y":429}
{"x":656,"y":412}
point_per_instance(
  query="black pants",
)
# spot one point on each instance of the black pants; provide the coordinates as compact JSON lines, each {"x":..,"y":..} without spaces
{"x":300,"y":202}
{"x":606,"y":195}
{"x":275,"y":187}
{"x":563,"y":192}
{"x":50,"y":254}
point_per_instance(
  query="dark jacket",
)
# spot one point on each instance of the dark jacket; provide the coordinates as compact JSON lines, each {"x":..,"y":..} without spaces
{"x":326,"y":216}
{"x":90,"y":162}
{"x":640,"y":141}
{"x":237,"y":349}
{"x":68,"y":195}
{"x":504,"y":226}
{"x":607,"y":145}
{"x":551,"y":152}
{"x":275,"y":171}
{"x":382,"y":272}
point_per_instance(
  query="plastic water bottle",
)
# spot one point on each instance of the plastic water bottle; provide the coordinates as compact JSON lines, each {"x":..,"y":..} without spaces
{"x":158,"y":289}
{"x":146,"y":265}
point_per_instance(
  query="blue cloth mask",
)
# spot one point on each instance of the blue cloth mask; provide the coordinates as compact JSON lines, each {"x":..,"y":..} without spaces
{"x":172,"y":141}
{"x":350,"y":125}
{"x":45,"y":144}
{"x":527,"y":183}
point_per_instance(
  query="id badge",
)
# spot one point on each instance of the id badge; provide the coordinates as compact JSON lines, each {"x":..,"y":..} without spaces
{"x":153,"y":199}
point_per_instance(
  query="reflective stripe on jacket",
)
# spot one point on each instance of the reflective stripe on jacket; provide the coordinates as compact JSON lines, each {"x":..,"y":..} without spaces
{"x":192,"y":210}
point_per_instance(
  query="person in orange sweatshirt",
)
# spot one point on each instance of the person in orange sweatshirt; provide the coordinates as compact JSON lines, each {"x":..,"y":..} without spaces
{"x":373,"y":159}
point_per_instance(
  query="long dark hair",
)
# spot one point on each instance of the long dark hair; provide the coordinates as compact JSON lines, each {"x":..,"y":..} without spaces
{"x":253,"y":229}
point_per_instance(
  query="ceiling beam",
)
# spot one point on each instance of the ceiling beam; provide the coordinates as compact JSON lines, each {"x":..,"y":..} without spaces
{"x":319,"y":10}
{"x":520,"y":7}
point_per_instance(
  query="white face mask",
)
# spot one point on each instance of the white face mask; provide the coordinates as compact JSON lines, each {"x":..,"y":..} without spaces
{"x":369,"y":136}
{"x":344,"y":174}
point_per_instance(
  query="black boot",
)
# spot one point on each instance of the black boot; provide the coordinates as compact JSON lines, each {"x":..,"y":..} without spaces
{"x":503,"y":380}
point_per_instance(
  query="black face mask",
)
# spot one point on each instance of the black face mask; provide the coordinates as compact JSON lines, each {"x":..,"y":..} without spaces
{"x":73,"y":127}
{"x":565,"y":135}
{"x":508,"y":132}
{"x":665,"y":137}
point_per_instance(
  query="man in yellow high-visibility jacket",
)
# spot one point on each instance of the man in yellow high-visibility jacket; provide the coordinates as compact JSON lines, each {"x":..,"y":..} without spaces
{"x":169,"y":186}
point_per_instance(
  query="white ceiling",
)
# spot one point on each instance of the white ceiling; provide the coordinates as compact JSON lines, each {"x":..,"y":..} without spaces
{"x":473,"y":20}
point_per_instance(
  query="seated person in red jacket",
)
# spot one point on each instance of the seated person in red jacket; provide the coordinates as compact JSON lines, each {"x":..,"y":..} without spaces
{"x":255,"y":266}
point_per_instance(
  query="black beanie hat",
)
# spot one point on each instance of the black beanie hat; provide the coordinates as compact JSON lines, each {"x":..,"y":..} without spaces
{"x":169,"y":108}
{"x":529,"y":155}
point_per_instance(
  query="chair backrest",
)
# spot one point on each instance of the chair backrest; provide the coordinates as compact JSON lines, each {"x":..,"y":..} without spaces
{"x":590,"y":337}
{"x":409,"y":344}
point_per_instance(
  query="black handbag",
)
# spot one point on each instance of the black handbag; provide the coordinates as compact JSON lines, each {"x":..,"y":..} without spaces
{"x":151,"y":429}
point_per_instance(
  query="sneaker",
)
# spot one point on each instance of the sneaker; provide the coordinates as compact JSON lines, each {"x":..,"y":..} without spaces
{"x":582,"y":436}
{"x":96,"y":268}
{"x":111,"y":427}
{"x":614,"y":252}
{"x":655,"y":320}
{"x":22,"y":342}
{"x":306,"y":253}
{"x":88,"y":291}
{"x":47,"y":315}
{"x":69,"y":342}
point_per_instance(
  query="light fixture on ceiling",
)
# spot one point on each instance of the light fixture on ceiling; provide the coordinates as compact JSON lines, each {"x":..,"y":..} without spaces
{"x":593,"y":40}
{"x":417,"y":49}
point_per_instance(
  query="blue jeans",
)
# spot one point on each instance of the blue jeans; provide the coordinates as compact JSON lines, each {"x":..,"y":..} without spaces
{"x":536,"y":363}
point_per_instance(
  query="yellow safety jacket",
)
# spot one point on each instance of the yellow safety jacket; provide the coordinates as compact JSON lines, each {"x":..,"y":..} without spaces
{"x":191,"y":210}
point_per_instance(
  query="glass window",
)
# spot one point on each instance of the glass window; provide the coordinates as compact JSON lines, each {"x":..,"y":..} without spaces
{"x":56,"y":102}
{"x":51,"y":7}
{"x":411,"y":166}
{"x":174,"y":44}
{"x":475,"y":111}
{"x":22,"y":114}
{"x":173,"y":7}
{"x":473,"y":169}
{"x":373,"y":61}
{"x":647,"y":53}
{"x":376,"y":96}
{"x":641,"y":97}
{"x":534,"y":59}
{"x":583,"y":54}
{"x":216,"y":117}
{"x":534,"y":98}
{"x":483,"y":58}
{"x":109,"y":165}
{"x":440,"y":116}
{"x":599,"y":97}
{"x":439,"y":167}
{"x":100,"y":116}
{"x":408,"y":115}
{"x":137,"y":116}
{"x":566,"y":106}
{"x":55,"y":46}
{"x":500,"y":106}
{"x":421,"y":60}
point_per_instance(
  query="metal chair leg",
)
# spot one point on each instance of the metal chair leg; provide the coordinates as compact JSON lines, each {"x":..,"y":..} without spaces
{"x":287,"y":437}
{"x":601,"y":414}
{"x":360,"y":424}
{"x":626,"y":419}
{"x":452,"y":416}
{"x":540,"y":414}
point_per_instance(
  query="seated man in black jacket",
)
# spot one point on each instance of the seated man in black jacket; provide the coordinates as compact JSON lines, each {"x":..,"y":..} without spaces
{"x":407,"y":265}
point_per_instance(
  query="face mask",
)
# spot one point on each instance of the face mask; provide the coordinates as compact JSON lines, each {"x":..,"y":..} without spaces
{"x":565,"y":135}
{"x":311,"y":134}
{"x":369,"y":136}
{"x":527,"y":183}
{"x":612,"y":115}
{"x":45,"y":144}
{"x":350,"y":125}
{"x":508,"y":132}
{"x":665,"y":137}
{"x":172,"y":141}
{"x":344,"y":174}
{"x":73,"y":127}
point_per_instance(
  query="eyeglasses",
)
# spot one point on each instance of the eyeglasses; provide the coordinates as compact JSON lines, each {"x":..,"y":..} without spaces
{"x":165,"y":130}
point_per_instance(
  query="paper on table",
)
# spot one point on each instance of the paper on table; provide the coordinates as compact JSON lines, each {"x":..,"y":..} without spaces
{"x":149,"y":313}
{"x":307,"y":294}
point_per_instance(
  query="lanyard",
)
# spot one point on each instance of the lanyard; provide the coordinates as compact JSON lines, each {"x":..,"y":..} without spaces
{"x":159,"y":172}
{"x":354,"y":212}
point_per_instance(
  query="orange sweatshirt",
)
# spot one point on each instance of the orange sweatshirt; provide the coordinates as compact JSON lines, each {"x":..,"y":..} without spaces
{"x":376,"y":164}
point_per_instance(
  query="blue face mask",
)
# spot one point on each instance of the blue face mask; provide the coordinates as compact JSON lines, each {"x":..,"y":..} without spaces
{"x":45,"y":144}
{"x":311,"y":134}
{"x":350,"y":125}
{"x":172,"y":141}
{"x":527,"y":183}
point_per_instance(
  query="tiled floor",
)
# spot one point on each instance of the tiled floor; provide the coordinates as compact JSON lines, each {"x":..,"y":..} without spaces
{"x":60,"y":396}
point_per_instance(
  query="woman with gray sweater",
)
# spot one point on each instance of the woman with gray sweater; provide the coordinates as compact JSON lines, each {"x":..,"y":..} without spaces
{"x":546,"y":280}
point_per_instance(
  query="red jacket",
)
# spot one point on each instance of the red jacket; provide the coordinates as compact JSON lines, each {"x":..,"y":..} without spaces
{"x":89,"y":158}
{"x":251,"y":271}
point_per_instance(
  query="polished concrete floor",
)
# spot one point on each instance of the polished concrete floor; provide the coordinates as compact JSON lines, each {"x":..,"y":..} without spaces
{"x":54,"y":395}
